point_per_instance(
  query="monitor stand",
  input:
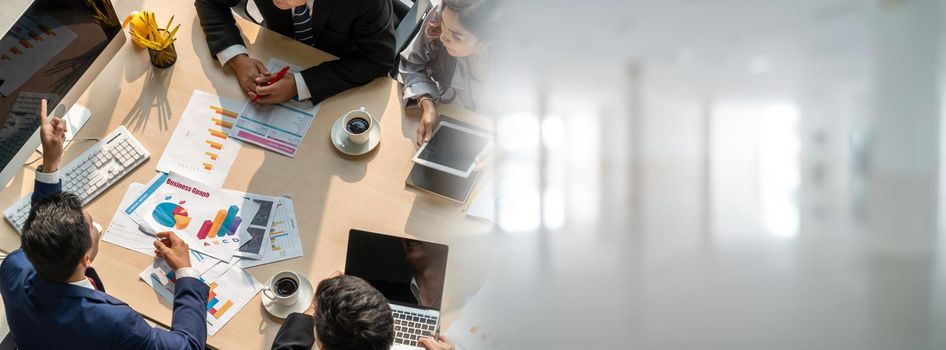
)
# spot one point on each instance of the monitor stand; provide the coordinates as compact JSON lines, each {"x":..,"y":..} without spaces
{"x":75,"y":118}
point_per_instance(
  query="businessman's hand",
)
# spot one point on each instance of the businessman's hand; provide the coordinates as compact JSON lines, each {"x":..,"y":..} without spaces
{"x":170,"y":247}
{"x":427,"y":121}
{"x":431,"y":344}
{"x":247,"y":70}
{"x":52,"y":134}
{"x":281,"y":91}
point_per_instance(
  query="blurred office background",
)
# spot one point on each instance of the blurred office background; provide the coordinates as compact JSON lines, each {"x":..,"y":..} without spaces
{"x":720,"y":174}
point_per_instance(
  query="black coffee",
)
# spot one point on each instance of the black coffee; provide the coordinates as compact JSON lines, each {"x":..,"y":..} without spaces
{"x":286,"y":286}
{"x":357,"y":125}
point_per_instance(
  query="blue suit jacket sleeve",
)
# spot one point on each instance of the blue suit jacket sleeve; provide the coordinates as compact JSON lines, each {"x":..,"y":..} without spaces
{"x":188,"y":322}
{"x":42,"y":190}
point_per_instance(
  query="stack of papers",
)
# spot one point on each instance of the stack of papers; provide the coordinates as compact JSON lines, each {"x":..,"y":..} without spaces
{"x":227,"y":231}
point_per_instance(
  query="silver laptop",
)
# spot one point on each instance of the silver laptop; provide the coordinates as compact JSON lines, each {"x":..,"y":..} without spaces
{"x":410,"y":274}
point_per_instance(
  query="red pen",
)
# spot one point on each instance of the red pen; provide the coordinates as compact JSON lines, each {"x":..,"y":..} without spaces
{"x":279,"y":75}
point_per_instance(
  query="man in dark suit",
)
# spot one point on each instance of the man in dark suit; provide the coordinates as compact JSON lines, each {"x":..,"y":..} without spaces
{"x":346,"y":313}
{"x":359,"y":32}
{"x":53,"y":297}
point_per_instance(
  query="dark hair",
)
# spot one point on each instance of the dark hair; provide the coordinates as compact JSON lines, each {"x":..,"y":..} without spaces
{"x":351,"y":314}
{"x":56,"y":236}
{"x":478,"y":16}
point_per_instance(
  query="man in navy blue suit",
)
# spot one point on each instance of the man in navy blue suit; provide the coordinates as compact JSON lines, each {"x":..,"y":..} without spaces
{"x":53,"y":297}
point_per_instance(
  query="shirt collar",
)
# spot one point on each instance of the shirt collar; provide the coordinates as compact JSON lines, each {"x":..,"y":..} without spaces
{"x":415,"y":289}
{"x":84,"y":282}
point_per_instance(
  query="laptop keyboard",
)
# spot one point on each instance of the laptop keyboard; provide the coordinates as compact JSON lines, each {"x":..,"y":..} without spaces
{"x":409,"y":326}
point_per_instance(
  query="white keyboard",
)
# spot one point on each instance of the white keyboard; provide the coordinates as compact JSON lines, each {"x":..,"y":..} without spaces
{"x":411,"y":325}
{"x":91,"y":173}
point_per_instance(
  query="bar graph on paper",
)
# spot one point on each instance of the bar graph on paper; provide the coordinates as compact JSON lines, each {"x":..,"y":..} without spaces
{"x":215,"y":307}
{"x":229,"y":293}
{"x":200,"y":147}
{"x":284,"y":240}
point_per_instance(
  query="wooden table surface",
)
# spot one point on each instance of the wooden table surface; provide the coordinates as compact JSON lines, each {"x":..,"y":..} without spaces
{"x":331,"y":193}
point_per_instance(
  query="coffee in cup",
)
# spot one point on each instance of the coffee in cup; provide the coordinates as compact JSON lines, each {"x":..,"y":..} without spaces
{"x":286,"y":286}
{"x":283,"y":288}
{"x":358,"y":125}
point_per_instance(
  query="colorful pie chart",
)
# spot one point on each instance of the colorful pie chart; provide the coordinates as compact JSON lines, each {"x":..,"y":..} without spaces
{"x":171,"y":215}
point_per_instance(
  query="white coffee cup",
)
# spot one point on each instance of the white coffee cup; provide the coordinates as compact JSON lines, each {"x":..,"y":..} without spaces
{"x":284,"y":288}
{"x":355,"y":121}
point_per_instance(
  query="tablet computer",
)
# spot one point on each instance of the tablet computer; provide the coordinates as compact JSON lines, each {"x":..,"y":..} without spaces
{"x":453,"y":149}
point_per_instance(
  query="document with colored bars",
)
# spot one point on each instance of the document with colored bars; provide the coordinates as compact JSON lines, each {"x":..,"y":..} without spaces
{"x":231,"y":288}
{"x":201,"y":147}
{"x":209,"y":220}
{"x":279,"y":128}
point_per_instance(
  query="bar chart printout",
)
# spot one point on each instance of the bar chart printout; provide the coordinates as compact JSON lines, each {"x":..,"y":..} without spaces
{"x":161,"y":277}
{"x":283,"y":241}
{"x":208,"y":219}
{"x":200,"y":147}
{"x":229,"y":293}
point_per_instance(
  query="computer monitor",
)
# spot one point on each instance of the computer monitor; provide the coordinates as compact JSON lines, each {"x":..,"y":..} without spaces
{"x":54,"y":50}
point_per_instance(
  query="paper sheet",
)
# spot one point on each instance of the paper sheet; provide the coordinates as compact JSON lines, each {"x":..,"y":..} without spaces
{"x":208,"y":219}
{"x":483,"y":206}
{"x":229,"y":293}
{"x":283,"y":241}
{"x":123,"y":231}
{"x":279,"y":128}
{"x":231,"y":288}
{"x":479,"y":324}
{"x":201,"y":147}
{"x":259,"y":226}
{"x":161,"y":277}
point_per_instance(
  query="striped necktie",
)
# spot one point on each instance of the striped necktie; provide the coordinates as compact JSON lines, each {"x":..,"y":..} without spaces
{"x":301,"y":24}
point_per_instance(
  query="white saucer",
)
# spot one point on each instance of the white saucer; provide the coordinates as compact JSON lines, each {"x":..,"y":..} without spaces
{"x":306,"y":292}
{"x":344,"y":145}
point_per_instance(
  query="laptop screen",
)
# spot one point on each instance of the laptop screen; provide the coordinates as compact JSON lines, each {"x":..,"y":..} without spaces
{"x":407,"y":271}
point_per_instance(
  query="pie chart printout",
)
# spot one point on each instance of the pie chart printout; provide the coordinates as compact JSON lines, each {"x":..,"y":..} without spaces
{"x":171,"y":214}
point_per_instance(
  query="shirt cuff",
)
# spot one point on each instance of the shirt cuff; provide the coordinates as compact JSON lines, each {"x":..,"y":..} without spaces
{"x":302,"y":90}
{"x":47,"y":178}
{"x":229,"y":53}
{"x":418,"y":89}
{"x":186,"y":272}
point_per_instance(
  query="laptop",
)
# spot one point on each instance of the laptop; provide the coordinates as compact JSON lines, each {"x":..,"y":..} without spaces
{"x":410,"y":274}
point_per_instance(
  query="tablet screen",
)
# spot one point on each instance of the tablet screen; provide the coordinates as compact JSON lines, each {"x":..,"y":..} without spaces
{"x":453,"y":148}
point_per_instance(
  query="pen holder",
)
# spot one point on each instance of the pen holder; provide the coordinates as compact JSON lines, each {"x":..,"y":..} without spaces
{"x":165,"y":57}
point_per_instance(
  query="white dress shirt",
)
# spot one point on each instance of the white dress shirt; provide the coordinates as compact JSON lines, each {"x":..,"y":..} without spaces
{"x":302,"y":90}
{"x":53,"y":178}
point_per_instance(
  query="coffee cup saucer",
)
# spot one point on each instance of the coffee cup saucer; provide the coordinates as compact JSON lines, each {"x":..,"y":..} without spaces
{"x":306,"y":292}
{"x":344,"y":145}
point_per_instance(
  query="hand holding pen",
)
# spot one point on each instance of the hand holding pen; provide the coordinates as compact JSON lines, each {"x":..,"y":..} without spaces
{"x":275,"y":89}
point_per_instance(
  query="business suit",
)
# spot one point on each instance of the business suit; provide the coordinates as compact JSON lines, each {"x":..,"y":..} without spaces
{"x":53,"y":315}
{"x":359,"y":32}
{"x":296,"y":333}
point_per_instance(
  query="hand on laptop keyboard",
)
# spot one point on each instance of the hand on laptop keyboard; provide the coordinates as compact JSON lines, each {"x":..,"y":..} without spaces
{"x":431,"y":344}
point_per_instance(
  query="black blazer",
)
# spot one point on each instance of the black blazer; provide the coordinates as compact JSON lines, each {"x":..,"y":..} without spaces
{"x":359,"y":32}
{"x":297,"y":333}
